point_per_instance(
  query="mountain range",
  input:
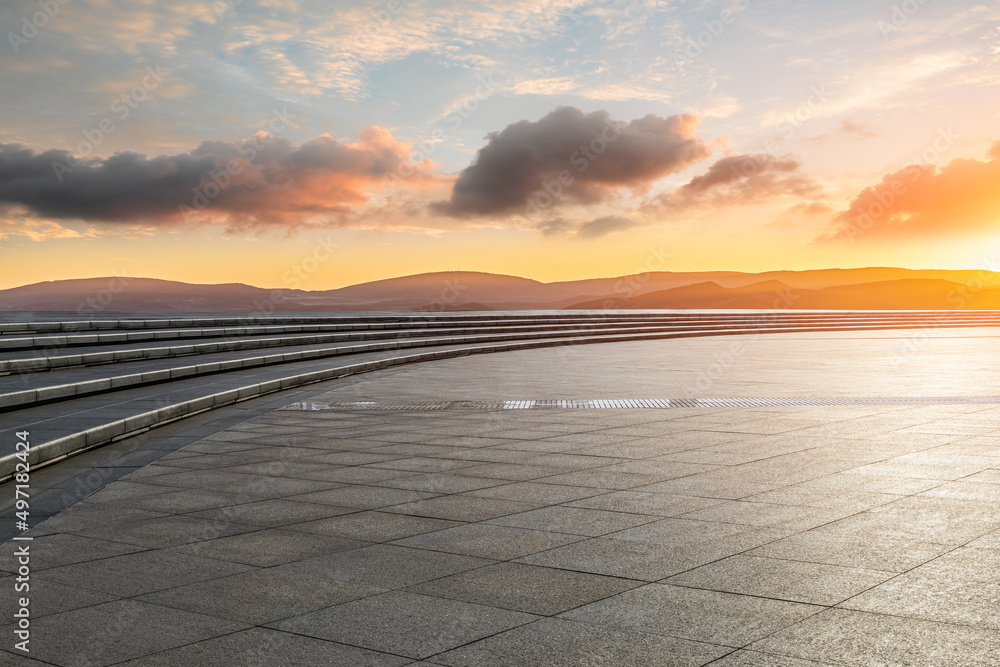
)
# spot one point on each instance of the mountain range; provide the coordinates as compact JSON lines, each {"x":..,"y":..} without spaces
{"x":883,"y":288}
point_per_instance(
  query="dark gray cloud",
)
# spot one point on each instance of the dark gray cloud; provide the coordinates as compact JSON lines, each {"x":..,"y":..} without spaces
{"x":262,"y":179}
{"x":570,"y":156}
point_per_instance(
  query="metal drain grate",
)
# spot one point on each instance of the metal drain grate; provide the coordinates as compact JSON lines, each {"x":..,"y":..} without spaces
{"x":640,"y":403}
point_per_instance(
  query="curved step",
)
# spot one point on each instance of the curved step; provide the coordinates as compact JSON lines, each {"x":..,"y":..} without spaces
{"x":129,"y":424}
{"x":122,"y":331}
{"x":69,"y":390}
{"x":47,"y":363}
{"x":235,"y":342}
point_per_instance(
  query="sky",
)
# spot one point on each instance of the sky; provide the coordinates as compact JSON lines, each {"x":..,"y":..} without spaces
{"x":316,"y":144}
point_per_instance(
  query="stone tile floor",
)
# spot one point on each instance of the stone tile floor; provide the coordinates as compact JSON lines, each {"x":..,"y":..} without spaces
{"x":778,"y":536}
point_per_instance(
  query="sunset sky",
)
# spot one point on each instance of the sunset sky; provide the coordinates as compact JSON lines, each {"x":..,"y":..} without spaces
{"x":316,"y":144}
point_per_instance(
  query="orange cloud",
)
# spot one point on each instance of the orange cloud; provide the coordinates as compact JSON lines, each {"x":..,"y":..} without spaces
{"x":921,"y":200}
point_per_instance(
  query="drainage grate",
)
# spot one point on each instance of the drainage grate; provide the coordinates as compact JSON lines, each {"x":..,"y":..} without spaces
{"x":641,"y":403}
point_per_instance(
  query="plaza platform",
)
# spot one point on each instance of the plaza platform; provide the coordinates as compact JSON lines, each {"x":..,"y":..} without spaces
{"x":780,"y":500}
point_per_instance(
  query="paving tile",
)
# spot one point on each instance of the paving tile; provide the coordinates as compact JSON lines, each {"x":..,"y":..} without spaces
{"x":511,"y":471}
{"x":258,"y":647}
{"x":421,"y":625}
{"x":768,"y":514}
{"x":357,"y":458}
{"x":269,"y":547}
{"x":362,"y":497}
{"x":284,"y":467}
{"x":847,"y":637}
{"x":260,"y":596}
{"x":527,"y":588}
{"x":811,"y":583}
{"x":143,"y":572}
{"x":273,"y":513}
{"x":489,"y":541}
{"x":618,"y":558}
{"x":643,"y":502}
{"x":12,"y":656}
{"x":605,"y":479}
{"x":82,"y":514}
{"x":128,"y":489}
{"x":49,"y":597}
{"x":537,"y":493}
{"x":420,"y":464}
{"x":851,"y":482}
{"x":352,"y":474}
{"x":938,"y":520}
{"x":179,"y":502}
{"x":560,"y":643}
{"x":870,"y":551}
{"x":385,"y":566}
{"x":65,"y":549}
{"x":212,"y":478}
{"x":460,"y":507}
{"x":698,"y":615}
{"x":441,"y":482}
{"x":809,"y":496}
{"x":966,"y":490}
{"x":574,"y":520}
{"x":723,"y":538}
{"x":374,"y":526}
{"x":165,"y":531}
{"x":758,"y":659}
{"x":969,"y":562}
{"x":962,"y":590}
{"x":700,"y":486}
{"x":118,"y":631}
{"x":988,"y":541}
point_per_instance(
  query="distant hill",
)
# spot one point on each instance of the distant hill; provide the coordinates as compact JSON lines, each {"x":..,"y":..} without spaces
{"x":908,"y":294}
{"x":133,"y":295}
{"x":873,"y":288}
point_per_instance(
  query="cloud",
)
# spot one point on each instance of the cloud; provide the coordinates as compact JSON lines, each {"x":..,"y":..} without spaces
{"x":922,"y":200}
{"x":571,"y":157}
{"x":848,"y":128}
{"x":40,"y":230}
{"x":856,"y":130}
{"x":590,"y":229}
{"x":555,"y":227}
{"x":258,"y":181}
{"x":740,"y":179}
{"x":604,"y":226}
{"x":814,"y":208}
